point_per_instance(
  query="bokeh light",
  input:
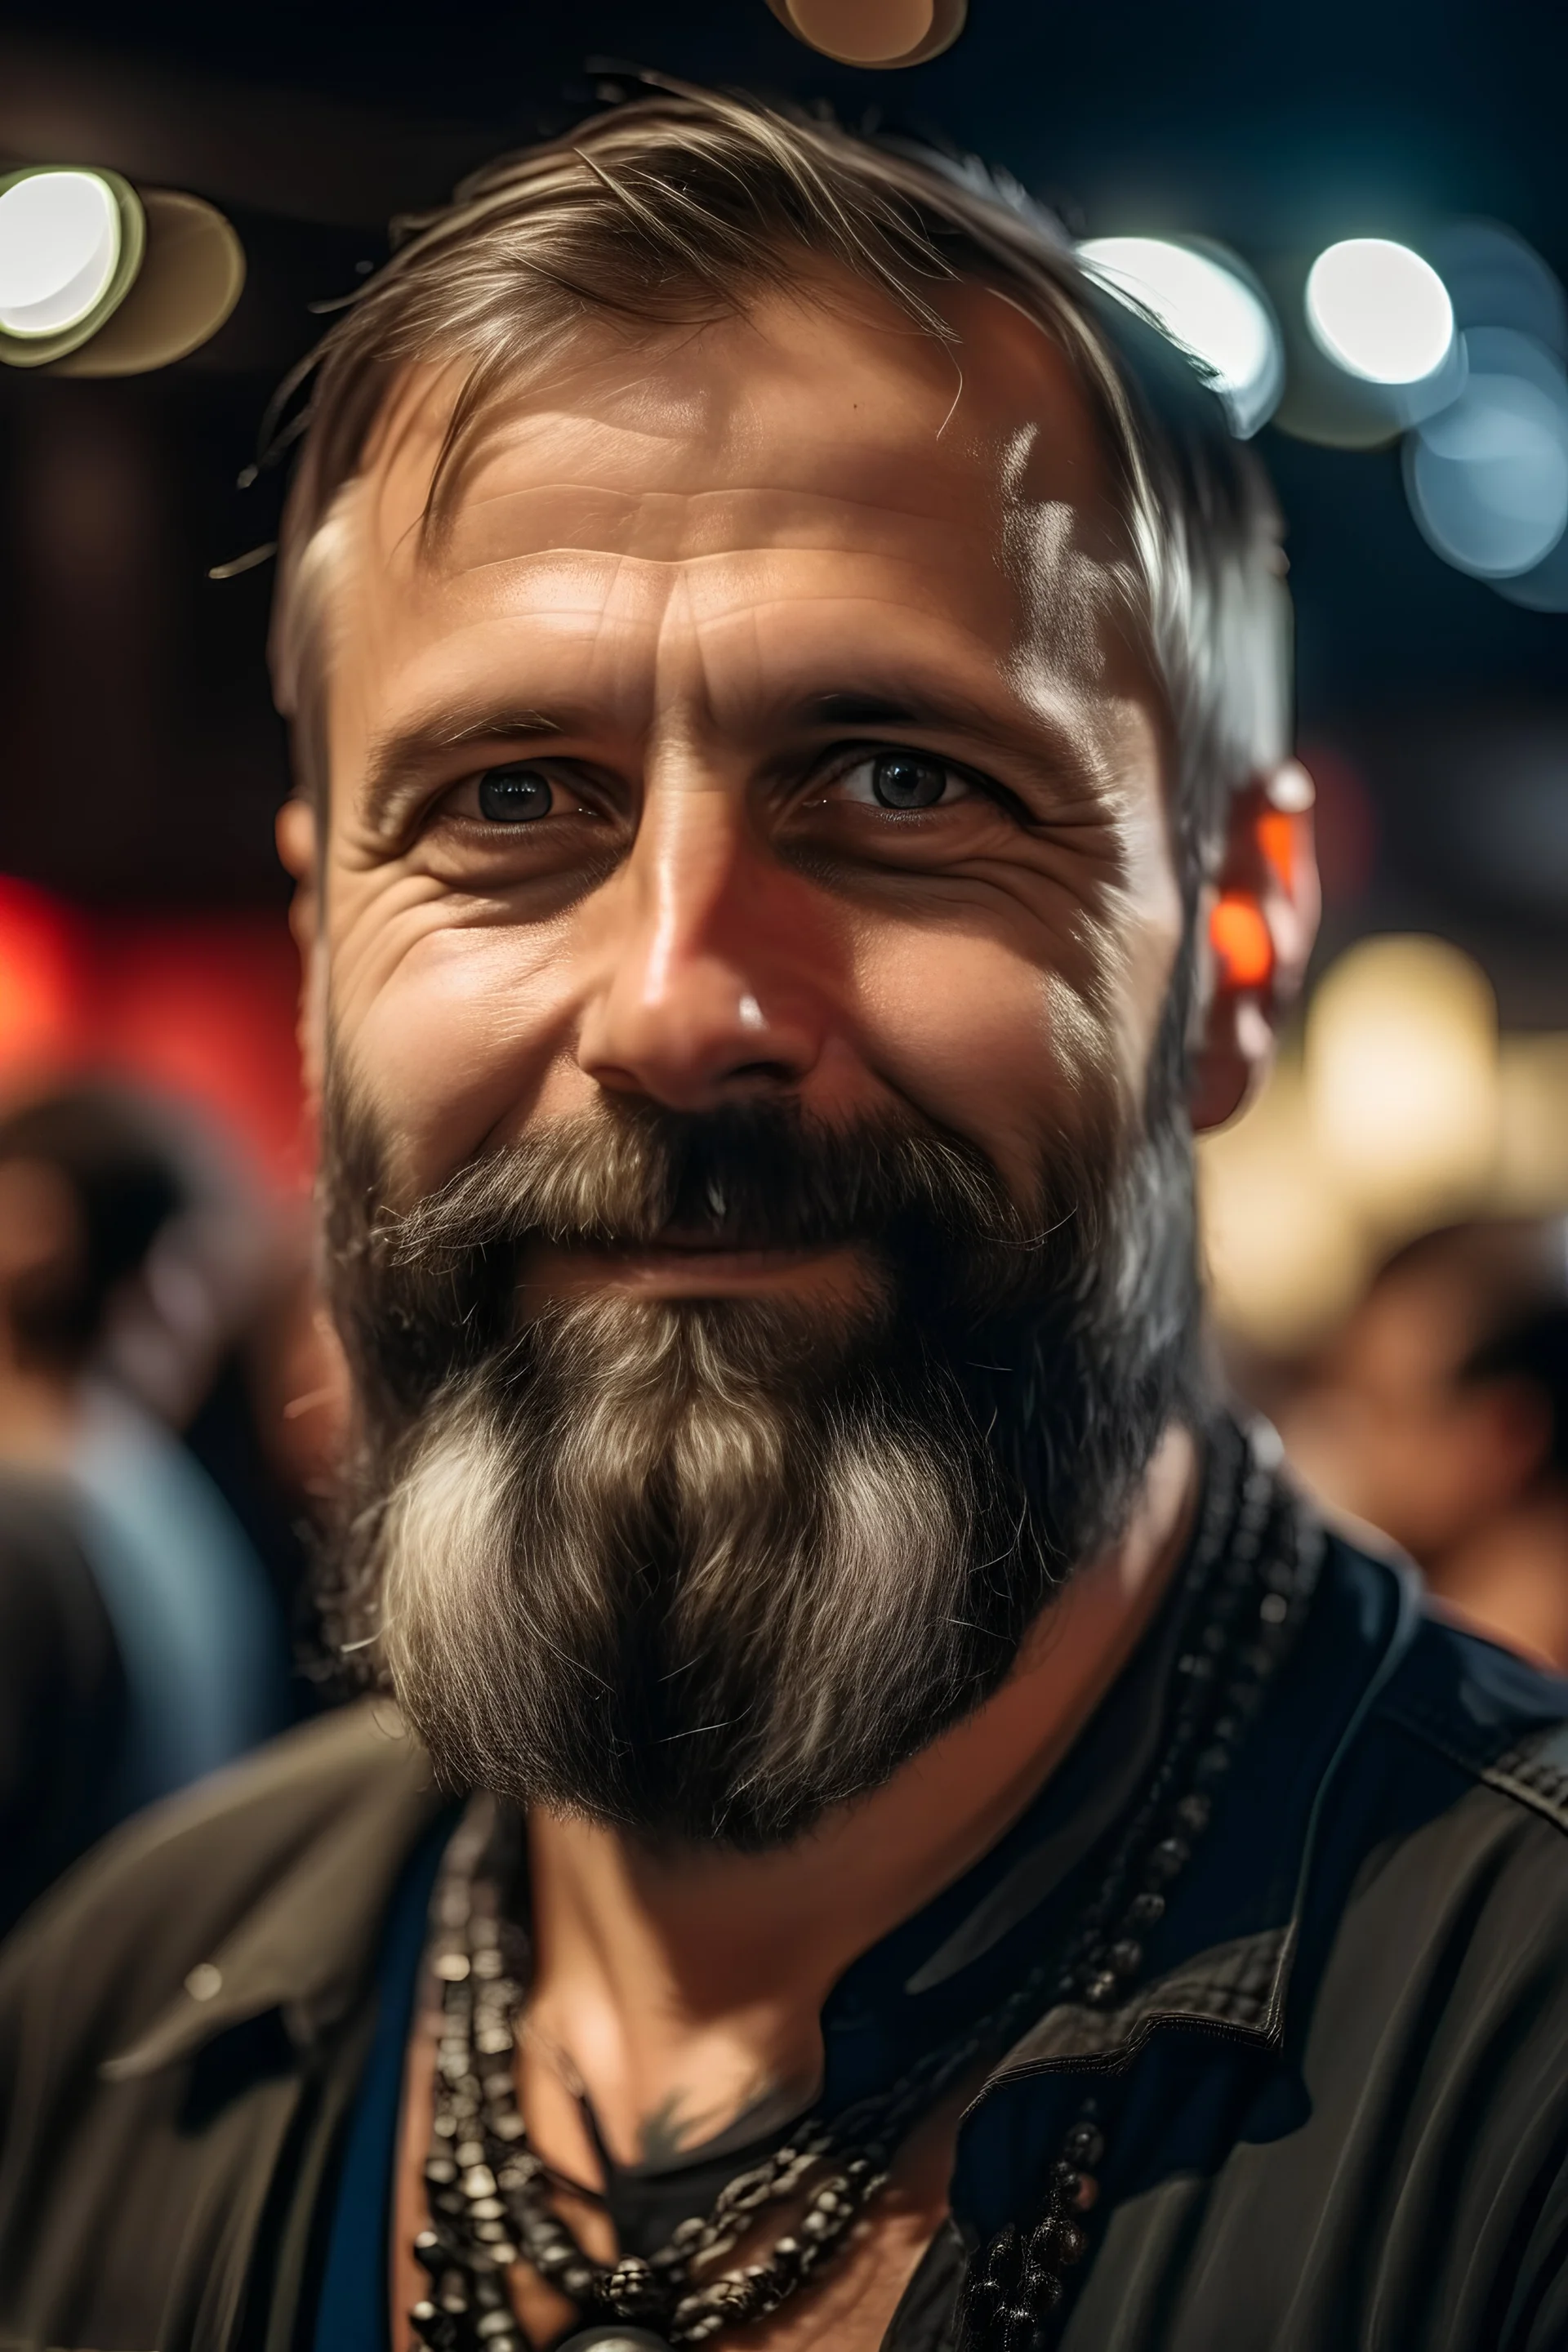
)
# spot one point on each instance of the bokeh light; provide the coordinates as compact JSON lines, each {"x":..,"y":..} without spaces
{"x":1205,"y":299}
{"x":59,"y":246}
{"x":875,"y":33}
{"x":1284,"y":1248}
{"x":1495,"y":279}
{"x":1487,"y":478}
{"x":1401,"y":1064}
{"x":1379,"y":310}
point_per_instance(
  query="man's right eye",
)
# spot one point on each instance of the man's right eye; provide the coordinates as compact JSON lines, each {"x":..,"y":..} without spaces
{"x":516,"y":795}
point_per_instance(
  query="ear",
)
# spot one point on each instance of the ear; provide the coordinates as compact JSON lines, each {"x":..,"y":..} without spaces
{"x":1257,"y":918}
{"x":300,"y":847}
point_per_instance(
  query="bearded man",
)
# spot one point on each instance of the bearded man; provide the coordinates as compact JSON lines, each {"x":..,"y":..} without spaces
{"x":896,"y":1828}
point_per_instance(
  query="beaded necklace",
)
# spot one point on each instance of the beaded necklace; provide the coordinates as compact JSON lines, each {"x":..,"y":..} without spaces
{"x":1244,"y":1591}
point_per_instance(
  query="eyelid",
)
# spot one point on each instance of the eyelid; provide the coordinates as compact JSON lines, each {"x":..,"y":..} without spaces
{"x":561,"y":774}
{"x":842,"y":757}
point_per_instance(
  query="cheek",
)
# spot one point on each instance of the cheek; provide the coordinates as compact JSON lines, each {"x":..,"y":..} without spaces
{"x":448,"y":1030}
{"x":986,"y":1042}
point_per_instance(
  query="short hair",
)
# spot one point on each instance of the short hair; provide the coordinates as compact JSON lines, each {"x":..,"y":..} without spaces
{"x":676,"y":209}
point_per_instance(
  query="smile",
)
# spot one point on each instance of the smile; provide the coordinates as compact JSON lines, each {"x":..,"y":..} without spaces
{"x":686,"y":1266}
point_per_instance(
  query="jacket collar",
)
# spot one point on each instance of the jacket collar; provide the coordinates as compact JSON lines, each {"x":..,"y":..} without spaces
{"x":1253,"y":1874}
{"x":308,"y":1948}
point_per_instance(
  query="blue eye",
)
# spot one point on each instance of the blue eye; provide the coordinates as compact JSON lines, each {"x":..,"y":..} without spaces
{"x":515,"y":795}
{"x":902,"y":780}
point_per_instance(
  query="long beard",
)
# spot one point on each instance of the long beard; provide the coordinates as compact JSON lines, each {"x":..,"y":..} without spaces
{"x":707,"y":1568}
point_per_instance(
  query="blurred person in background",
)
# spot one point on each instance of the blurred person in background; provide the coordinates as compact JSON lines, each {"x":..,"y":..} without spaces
{"x":1439,"y":1415}
{"x":269,"y":1431}
{"x":139,"y":1645}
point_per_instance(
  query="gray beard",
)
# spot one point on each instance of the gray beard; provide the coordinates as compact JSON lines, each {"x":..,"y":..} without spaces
{"x":707,"y":1568}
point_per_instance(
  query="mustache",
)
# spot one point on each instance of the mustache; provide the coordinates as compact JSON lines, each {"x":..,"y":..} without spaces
{"x":754,"y":1176}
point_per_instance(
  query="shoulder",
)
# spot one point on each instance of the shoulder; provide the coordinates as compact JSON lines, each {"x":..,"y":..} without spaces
{"x":272,"y":1876}
{"x":1477,"y":1710}
{"x":1440,"y":1836}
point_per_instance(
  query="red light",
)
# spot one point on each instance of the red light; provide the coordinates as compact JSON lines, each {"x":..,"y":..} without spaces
{"x":1240,"y":938}
{"x":41,"y":984}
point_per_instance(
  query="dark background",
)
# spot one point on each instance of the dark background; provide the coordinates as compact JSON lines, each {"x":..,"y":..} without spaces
{"x":142,"y":762}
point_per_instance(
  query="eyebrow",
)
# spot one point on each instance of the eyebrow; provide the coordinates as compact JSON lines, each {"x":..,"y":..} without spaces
{"x":398,"y":768}
{"x":943,"y":711}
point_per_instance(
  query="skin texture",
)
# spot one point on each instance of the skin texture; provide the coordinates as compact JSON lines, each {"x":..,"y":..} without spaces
{"x":699,"y":588}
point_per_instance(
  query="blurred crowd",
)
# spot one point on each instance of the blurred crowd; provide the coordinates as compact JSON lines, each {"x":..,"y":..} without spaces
{"x":168,"y":1408}
{"x":171,"y":1401}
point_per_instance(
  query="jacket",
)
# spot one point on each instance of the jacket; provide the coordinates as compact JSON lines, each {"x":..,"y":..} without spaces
{"x":1335,"y":2106}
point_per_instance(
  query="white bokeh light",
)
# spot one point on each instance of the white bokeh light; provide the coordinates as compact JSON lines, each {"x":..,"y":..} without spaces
{"x":1379,"y":310}
{"x":59,"y":245}
{"x":1210,"y":309}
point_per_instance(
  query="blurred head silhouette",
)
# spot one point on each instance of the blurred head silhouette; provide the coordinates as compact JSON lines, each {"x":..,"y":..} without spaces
{"x":89,"y":1181}
{"x":1440,"y":1416}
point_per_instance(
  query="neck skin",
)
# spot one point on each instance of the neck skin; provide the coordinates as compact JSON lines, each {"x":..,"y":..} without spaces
{"x":1508,"y":1577}
{"x":37,"y":1410}
{"x":680,"y":1990}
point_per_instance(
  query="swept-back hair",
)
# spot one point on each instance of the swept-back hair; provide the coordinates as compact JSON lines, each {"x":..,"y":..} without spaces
{"x":678,"y":209}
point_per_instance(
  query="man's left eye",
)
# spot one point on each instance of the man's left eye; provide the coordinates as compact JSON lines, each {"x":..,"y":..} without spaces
{"x":904,"y":779}
{"x":516,"y":795}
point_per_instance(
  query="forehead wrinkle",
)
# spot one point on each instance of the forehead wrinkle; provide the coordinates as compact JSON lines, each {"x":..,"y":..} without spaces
{"x":1033,"y":550}
{"x":854,"y":513}
{"x":733,"y":415}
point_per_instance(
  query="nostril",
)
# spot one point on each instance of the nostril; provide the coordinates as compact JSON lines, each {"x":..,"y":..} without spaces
{"x":776,"y":1074}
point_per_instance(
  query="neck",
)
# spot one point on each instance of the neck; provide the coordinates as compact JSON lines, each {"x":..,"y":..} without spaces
{"x":38,"y":1412}
{"x":1509,"y":1577}
{"x":681,"y":1988}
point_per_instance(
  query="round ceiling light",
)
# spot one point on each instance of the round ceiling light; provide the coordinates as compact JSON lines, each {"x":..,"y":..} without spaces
{"x":875,"y":33}
{"x":1205,"y":300}
{"x":99,"y":280}
{"x":71,"y":245}
{"x":60,"y":242}
{"x":1379,"y":310}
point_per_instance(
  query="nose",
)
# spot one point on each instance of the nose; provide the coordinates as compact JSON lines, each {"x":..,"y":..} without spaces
{"x":704,"y":991}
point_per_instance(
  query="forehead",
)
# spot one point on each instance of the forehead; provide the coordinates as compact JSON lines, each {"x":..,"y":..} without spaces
{"x":817,"y":465}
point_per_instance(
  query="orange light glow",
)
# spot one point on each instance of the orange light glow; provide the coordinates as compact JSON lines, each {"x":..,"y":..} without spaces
{"x":1240,"y":939}
{"x":1276,"y":839}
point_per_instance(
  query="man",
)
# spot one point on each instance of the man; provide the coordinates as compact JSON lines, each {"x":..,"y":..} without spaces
{"x":1440,"y":1414}
{"x":908,"y":1835}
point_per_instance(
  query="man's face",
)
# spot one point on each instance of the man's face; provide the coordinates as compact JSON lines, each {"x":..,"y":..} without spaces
{"x":749,"y":929}
{"x":761,"y":722}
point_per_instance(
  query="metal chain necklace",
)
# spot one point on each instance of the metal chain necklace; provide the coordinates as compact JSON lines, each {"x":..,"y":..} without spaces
{"x":1245,"y":1591}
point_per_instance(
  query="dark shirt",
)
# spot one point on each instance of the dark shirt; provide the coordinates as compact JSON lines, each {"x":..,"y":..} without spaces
{"x":1334,"y":2103}
{"x":936,"y":1972}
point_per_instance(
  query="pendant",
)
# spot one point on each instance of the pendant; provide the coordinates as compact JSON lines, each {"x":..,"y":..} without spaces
{"x":613,"y":2335}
